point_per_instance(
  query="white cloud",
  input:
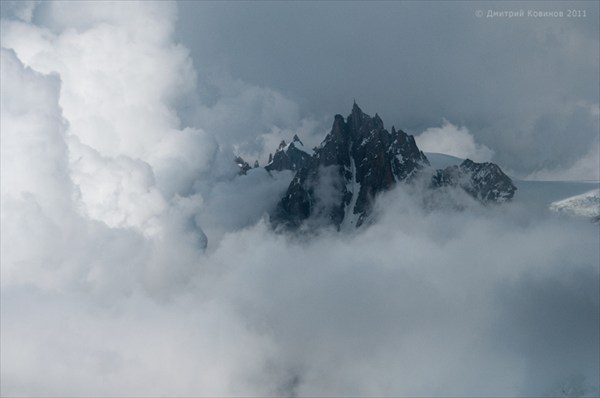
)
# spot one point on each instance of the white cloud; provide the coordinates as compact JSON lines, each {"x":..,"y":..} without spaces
{"x":65,"y":346}
{"x":106,"y":288}
{"x":453,"y":140}
{"x":384,"y":312}
{"x":120,"y":78}
{"x":33,"y":133}
{"x":252,"y":120}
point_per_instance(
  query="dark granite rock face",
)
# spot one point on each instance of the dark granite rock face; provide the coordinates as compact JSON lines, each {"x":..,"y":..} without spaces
{"x":242,"y":164}
{"x":357,"y":160}
{"x":288,"y":157}
{"x":484,"y":181}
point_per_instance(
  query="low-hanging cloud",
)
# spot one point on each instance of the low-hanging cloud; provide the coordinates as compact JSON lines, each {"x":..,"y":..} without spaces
{"x":110,"y":192}
{"x":453,"y":140}
{"x":386,"y":311}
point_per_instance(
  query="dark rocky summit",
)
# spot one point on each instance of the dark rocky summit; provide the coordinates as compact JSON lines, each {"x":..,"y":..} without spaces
{"x":484,"y":181}
{"x":288,"y":156}
{"x":359,"y":159}
{"x":242,"y":164}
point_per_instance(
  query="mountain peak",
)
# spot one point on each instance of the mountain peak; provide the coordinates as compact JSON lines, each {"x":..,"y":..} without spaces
{"x":288,"y":156}
{"x":484,"y":181}
{"x":358,"y":160}
{"x":296,"y":139}
{"x":357,"y":117}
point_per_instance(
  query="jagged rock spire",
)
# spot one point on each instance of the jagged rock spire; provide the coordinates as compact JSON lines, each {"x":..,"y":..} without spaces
{"x":356,"y":109}
{"x":366,"y":160}
{"x":296,"y":139}
{"x":288,"y":157}
{"x":242,"y":164}
{"x":358,"y":160}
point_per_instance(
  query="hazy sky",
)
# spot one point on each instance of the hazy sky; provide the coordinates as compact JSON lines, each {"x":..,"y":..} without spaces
{"x":525,"y":87}
{"x":135,"y":261}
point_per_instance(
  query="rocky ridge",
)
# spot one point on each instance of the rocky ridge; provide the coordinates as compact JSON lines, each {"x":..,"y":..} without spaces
{"x":359,"y":159}
{"x":288,"y":156}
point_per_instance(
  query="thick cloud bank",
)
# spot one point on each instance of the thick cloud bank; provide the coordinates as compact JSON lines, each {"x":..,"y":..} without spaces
{"x":117,"y":173}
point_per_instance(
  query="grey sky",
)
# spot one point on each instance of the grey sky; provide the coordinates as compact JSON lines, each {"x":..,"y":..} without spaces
{"x":107,"y":196}
{"x":523,"y":86}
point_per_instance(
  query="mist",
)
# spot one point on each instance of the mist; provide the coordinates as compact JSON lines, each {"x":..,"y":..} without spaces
{"x":135,"y":260}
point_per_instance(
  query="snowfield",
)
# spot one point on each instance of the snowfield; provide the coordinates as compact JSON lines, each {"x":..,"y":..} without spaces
{"x":584,"y":205}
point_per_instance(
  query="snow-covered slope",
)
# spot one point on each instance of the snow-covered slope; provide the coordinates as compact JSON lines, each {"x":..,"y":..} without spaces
{"x":573,"y":198}
{"x":543,"y":193}
{"x":584,"y":205}
{"x":551,"y":191}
